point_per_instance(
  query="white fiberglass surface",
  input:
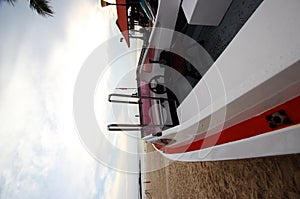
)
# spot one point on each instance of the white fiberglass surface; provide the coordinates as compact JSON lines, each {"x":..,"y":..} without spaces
{"x":247,"y":63}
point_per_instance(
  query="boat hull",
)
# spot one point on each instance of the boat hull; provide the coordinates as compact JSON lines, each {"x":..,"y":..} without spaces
{"x":254,"y":78}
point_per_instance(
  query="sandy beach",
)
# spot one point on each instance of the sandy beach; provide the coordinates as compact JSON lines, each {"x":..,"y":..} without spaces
{"x":269,"y":177}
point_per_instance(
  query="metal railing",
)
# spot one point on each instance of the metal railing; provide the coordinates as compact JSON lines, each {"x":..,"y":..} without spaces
{"x":137,"y":127}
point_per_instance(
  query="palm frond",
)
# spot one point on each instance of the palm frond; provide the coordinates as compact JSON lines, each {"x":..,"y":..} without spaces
{"x":42,"y":7}
{"x":12,"y":2}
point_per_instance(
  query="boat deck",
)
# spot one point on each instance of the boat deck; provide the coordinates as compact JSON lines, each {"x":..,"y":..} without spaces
{"x":214,"y":40}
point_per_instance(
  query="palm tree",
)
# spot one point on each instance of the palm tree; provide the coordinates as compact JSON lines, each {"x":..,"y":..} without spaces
{"x":42,"y":7}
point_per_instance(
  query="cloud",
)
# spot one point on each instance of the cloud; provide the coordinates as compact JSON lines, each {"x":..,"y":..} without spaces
{"x":123,"y":185}
{"x":41,"y":155}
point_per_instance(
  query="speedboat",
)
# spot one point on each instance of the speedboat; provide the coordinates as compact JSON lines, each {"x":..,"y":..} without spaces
{"x":219,"y":80}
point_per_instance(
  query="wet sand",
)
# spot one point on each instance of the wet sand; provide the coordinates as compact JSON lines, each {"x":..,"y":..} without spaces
{"x":269,"y":177}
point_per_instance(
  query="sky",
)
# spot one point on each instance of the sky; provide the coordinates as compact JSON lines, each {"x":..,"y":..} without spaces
{"x":42,"y":155}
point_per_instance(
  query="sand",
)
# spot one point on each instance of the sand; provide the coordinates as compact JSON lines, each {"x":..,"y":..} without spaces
{"x":268,"y":177}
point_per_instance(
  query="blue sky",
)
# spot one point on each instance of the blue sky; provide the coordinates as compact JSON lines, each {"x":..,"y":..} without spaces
{"x":41,"y":153}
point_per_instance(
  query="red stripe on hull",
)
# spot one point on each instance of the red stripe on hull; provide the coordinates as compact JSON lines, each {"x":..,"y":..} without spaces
{"x":255,"y":126}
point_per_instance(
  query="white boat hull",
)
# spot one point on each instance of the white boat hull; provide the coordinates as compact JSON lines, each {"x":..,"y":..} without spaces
{"x":257,"y":71}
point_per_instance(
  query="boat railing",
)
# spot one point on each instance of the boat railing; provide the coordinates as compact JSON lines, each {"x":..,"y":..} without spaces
{"x":135,"y":99}
{"x":110,"y":96}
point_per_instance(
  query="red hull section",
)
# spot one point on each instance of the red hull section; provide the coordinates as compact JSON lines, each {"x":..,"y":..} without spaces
{"x":252,"y":127}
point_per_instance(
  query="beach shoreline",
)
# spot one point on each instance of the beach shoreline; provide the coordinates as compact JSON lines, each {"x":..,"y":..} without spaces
{"x":266,"y":177}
